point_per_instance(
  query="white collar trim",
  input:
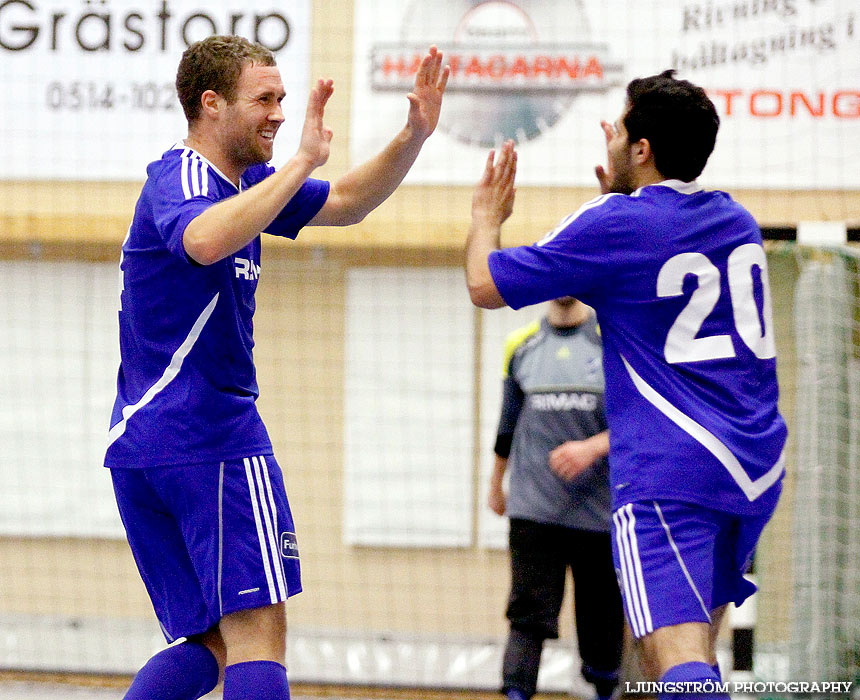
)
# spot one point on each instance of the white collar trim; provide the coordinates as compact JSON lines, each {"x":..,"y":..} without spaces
{"x":179,"y":145}
{"x":677,"y":185}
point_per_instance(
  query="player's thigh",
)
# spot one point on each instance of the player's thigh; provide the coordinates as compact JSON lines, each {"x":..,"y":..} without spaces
{"x":160,"y":552}
{"x":664,"y":553}
{"x":538,"y":569}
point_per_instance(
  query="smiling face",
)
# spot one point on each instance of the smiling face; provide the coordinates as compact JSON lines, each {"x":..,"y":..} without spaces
{"x":251,"y":121}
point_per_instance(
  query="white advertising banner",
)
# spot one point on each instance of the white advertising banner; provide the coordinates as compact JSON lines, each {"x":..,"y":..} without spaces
{"x":783,"y":74}
{"x":88,"y":88}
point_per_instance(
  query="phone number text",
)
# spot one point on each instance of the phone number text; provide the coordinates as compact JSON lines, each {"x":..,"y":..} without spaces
{"x":82,"y":95}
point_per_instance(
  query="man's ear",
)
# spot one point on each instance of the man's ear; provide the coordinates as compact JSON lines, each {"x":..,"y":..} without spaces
{"x":211,"y":103}
{"x":641,"y":151}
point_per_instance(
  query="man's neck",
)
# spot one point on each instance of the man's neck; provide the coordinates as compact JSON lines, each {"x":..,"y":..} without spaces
{"x":213,"y":153}
{"x":648,"y":175}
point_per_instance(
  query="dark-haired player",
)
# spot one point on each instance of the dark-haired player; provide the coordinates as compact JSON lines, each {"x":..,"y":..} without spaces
{"x":678,"y":278}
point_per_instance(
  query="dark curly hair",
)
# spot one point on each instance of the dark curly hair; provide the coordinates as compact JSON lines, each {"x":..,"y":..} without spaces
{"x":678,"y":120}
{"x":215,"y":64}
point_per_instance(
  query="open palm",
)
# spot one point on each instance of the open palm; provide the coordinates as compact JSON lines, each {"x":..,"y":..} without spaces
{"x":425,"y":100}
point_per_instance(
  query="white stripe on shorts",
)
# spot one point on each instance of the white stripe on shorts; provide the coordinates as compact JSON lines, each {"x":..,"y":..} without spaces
{"x":264,"y":551}
{"x":220,"y":537}
{"x":638,"y":610}
{"x":270,"y":517}
{"x":680,"y":560}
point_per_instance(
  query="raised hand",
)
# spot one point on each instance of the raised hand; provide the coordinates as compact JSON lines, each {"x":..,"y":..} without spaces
{"x":425,"y":100}
{"x":316,"y":137}
{"x":605,"y":175}
{"x":493,"y":199}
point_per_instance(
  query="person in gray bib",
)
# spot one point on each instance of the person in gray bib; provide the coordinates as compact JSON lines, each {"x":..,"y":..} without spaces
{"x":553,"y":440}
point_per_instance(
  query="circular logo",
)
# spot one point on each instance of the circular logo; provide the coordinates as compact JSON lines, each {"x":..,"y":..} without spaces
{"x":516,"y":67}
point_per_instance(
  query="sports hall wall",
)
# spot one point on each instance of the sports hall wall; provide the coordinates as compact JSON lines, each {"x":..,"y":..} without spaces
{"x":320,"y":302}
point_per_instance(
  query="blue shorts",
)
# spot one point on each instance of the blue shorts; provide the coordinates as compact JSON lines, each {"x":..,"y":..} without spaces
{"x":677,"y":562}
{"x":209,"y":539}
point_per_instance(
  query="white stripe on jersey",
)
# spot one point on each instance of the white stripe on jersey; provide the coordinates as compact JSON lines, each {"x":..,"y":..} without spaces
{"x":752,"y":489}
{"x":183,"y":174}
{"x":260,"y":535}
{"x":677,"y":185}
{"x":681,"y":561}
{"x":591,"y":204}
{"x":194,"y":174}
{"x":638,"y":610}
{"x":270,"y":518}
{"x":169,"y":373}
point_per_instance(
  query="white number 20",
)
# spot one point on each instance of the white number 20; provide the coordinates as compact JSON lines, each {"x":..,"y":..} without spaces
{"x":756,"y":331}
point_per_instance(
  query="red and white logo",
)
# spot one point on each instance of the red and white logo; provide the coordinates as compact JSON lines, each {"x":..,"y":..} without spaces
{"x":516,"y":67}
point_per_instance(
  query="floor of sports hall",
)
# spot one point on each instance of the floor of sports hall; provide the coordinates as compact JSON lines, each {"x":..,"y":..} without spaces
{"x":38,"y":686}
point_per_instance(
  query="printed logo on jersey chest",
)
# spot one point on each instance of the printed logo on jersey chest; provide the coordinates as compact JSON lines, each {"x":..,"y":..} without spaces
{"x":564,"y":401}
{"x":246,"y":269}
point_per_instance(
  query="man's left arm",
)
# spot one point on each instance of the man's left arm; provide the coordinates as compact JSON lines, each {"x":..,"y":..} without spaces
{"x":365,"y":187}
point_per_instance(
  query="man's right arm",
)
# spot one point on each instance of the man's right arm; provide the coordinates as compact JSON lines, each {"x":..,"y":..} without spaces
{"x":230,"y":225}
{"x":492,"y":204}
{"x":496,"y":498}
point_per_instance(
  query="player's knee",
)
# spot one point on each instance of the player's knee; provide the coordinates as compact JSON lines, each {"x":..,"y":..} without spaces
{"x":673,"y":645}
{"x":256,"y":633}
{"x":214,"y":642}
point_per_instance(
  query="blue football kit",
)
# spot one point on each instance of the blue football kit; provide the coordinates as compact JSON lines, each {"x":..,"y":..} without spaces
{"x":185,"y":424}
{"x":678,"y":278}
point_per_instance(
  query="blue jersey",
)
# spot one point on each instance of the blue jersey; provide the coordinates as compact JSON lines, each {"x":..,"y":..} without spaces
{"x":678,"y":278}
{"x":187,"y":388}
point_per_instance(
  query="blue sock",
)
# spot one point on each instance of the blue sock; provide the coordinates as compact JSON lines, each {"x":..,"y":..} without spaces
{"x":693,"y":672}
{"x":256,"y":680}
{"x":185,"y":671}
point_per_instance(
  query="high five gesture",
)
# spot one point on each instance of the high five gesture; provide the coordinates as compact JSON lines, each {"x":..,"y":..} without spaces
{"x":316,"y":137}
{"x":425,"y":100}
